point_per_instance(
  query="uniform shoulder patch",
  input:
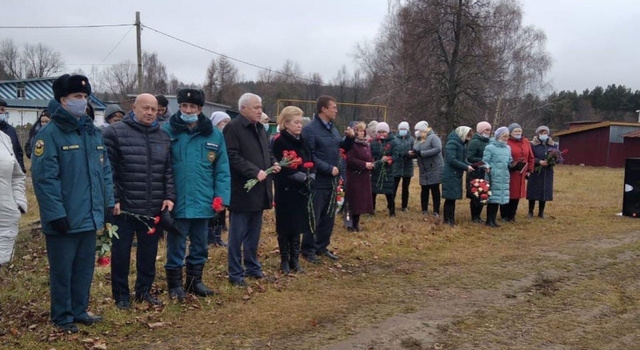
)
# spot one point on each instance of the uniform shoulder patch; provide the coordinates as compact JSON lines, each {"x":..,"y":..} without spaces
{"x":38,"y":148}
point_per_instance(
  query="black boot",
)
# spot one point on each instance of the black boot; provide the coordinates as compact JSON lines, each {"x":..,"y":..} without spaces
{"x":193,"y":283}
{"x":476,"y":210}
{"x":541,"y":209}
{"x":294,"y":260}
{"x":504,"y":212}
{"x":284,"y":246}
{"x":532,"y":206}
{"x":513,"y":209}
{"x":492,"y":213}
{"x":174,"y":284}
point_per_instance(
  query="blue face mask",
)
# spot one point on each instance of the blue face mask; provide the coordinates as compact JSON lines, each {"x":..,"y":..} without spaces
{"x":543,"y":138}
{"x":77,"y":107}
{"x":266,"y":127}
{"x":402,"y":133}
{"x":189,"y":118}
{"x":4,"y":117}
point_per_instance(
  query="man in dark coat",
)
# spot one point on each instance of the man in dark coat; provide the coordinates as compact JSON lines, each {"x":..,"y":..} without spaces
{"x":325,"y":143}
{"x":249,"y":157}
{"x":140,"y":157}
{"x":11,"y":131}
{"x":73,"y":184}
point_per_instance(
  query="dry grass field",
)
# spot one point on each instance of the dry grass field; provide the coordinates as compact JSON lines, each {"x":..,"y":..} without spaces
{"x":568,"y":281}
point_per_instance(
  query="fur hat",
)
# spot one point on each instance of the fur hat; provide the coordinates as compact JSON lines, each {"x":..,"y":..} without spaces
{"x":542,"y":128}
{"x":162,"y":101}
{"x":3,"y":103}
{"x":69,"y":84}
{"x":218,"y":116}
{"x":403,"y":126}
{"x":514,"y":126}
{"x":501,"y":130}
{"x":382,"y":126}
{"x":111,"y":110}
{"x":482,"y":126}
{"x":421,"y":126}
{"x":195,"y":96}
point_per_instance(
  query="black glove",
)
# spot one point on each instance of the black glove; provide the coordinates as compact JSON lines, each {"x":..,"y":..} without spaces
{"x":167,"y":222}
{"x":60,"y":225}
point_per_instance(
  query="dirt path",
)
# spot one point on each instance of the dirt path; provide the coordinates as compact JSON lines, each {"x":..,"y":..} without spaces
{"x":434,"y":326}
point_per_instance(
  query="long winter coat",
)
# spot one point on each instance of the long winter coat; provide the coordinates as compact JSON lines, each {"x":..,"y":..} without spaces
{"x":358,"y":191}
{"x":291,"y":193}
{"x":325,"y":143}
{"x":402,"y":162}
{"x":200,"y":167}
{"x":12,"y":197}
{"x":382,"y":180}
{"x":430,"y":160}
{"x":540,"y":184}
{"x":15,"y":141}
{"x":521,"y":152}
{"x":71,"y":172}
{"x":455,"y":165}
{"x":497,"y":156}
{"x":140,"y":158}
{"x":248,"y":148}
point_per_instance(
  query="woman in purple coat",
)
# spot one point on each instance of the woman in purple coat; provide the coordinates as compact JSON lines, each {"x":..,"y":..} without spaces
{"x":359,"y":165}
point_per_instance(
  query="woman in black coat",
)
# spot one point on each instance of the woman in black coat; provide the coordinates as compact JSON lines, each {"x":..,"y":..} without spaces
{"x":540,"y":184}
{"x":291,"y":189}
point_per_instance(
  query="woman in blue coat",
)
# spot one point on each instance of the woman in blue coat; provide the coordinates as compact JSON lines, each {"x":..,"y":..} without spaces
{"x":497,"y":156}
{"x":540,"y":184}
{"x":455,"y":164}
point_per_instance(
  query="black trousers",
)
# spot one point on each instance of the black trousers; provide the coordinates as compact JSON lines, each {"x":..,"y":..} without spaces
{"x":435,"y":195}
{"x":449,"y":211}
{"x":391,"y":205}
{"x":508,"y":211}
{"x":406,"y":181}
{"x":532,"y":206}
{"x":318,"y":243}
{"x":476,"y":208}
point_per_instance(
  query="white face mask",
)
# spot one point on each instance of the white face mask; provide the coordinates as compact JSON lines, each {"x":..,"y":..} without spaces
{"x":4,"y":117}
{"x":486,"y":134}
{"x":417,"y":133}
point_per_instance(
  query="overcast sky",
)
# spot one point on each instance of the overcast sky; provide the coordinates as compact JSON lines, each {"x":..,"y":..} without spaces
{"x":591,"y":42}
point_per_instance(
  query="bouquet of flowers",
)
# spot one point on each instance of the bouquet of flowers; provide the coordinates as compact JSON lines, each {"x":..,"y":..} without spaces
{"x":480,"y":189}
{"x":289,"y":159}
{"x":339,"y":196}
{"x":384,"y":168}
{"x":554,"y":156}
{"x":312,"y":216}
{"x":104,"y":237}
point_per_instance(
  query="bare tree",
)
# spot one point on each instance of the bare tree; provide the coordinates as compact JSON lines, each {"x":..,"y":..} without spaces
{"x":227,"y":79}
{"x":121,"y":79}
{"x":41,"y":61}
{"x":211,"y":81}
{"x":154,"y":74}
{"x":10,"y":60}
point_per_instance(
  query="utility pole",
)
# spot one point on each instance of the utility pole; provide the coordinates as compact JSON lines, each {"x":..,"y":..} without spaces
{"x":139,"y":49}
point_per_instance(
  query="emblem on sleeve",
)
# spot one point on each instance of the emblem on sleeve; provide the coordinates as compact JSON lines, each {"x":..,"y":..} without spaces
{"x":38,"y":148}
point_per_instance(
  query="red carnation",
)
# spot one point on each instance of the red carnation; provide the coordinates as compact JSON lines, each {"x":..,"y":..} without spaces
{"x":217,"y":204}
{"x":151,"y":231}
{"x":156,"y":220}
{"x":104,"y":261}
{"x":484,"y":196}
{"x":389,"y":161}
{"x":474,"y":189}
{"x":307,"y":165}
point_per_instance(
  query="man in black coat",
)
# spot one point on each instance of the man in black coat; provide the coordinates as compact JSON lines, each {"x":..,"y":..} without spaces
{"x":140,"y":156}
{"x":11,"y":131}
{"x":325,"y":142}
{"x":249,"y":157}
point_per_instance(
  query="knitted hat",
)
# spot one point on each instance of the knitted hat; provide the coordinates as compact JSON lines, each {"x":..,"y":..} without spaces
{"x":217,"y":117}
{"x":382,"y":126}
{"x":421,"y":126}
{"x":514,"y":126}
{"x":501,"y":130}
{"x":195,"y":96}
{"x":542,"y":128}
{"x":111,"y":110}
{"x":482,"y":126}
{"x":162,"y":101}
{"x":69,"y":84}
{"x":403,"y":126}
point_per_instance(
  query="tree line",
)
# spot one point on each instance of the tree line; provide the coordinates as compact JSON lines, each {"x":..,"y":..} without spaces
{"x":450,"y":62}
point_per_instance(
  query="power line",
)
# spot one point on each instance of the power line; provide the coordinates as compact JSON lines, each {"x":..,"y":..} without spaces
{"x":115,"y":47}
{"x":226,"y":56}
{"x":67,"y":26}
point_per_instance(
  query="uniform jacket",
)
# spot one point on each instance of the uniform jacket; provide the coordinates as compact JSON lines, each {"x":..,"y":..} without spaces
{"x":497,"y":155}
{"x":430,"y":160}
{"x":540,"y":184}
{"x":248,"y":147}
{"x":12,"y":197}
{"x":382,"y":183}
{"x":402,"y":162}
{"x":455,"y":165}
{"x":71,"y":173}
{"x":358,"y":192}
{"x":325,"y":144}
{"x":140,"y":158}
{"x":520,"y":151}
{"x":200,"y":167}
{"x":17,"y":149}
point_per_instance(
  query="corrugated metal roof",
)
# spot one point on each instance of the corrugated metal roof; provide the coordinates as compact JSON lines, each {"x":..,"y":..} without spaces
{"x":594,"y":126}
{"x":38,"y":93}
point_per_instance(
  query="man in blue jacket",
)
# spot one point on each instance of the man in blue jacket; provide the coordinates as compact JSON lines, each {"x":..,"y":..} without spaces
{"x":201,"y":173}
{"x":325,"y":143}
{"x":73,"y":184}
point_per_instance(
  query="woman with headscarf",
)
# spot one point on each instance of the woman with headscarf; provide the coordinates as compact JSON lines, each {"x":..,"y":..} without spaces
{"x":12,"y":198}
{"x":428,"y":151}
{"x":497,"y":157}
{"x":216,"y":225}
{"x":522,"y":166}
{"x":474,"y":155}
{"x":455,"y":164}
{"x":540,"y":184}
